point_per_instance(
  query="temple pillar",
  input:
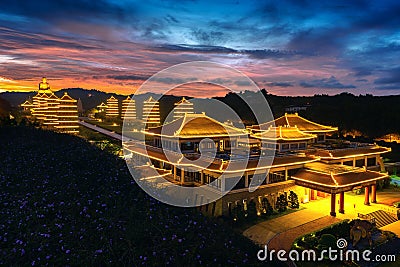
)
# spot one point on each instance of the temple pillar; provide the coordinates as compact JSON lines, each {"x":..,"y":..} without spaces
{"x":373,"y":193}
{"x":354,"y":162}
{"x":202,"y":177}
{"x":182,"y":176}
{"x":286,"y":174}
{"x":174,"y":172}
{"x":366,"y":162}
{"x":341,"y":203}
{"x":246,"y":180}
{"x":333,"y":204}
{"x":366,"y":201}
{"x":341,"y":162}
{"x":313,"y":194}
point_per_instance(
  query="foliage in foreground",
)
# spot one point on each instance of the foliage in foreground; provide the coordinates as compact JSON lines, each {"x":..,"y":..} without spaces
{"x":66,"y":202}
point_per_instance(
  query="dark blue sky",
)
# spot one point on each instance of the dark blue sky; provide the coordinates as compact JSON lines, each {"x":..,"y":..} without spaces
{"x":289,"y":47}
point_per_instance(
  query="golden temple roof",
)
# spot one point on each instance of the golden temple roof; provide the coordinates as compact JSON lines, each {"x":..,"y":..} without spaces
{"x":336,"y":180}
{"x":150,"y":100}
{"x":293,"y":120}
{"x":67,"y":97}
{"x":196,"y":126}
{"x":183,"y":101}
{"x":26,"y":104}
{"x":217,"y":165}
{"x":349,"y":152}
{"x":284,"y":134}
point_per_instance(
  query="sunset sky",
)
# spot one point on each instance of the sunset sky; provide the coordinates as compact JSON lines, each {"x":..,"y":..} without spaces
{"x":293,"y":47}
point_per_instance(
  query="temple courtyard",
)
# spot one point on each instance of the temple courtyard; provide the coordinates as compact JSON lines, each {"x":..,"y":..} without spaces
{"x":279,"y":233}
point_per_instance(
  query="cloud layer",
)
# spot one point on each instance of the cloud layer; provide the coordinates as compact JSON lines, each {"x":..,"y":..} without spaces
{"x":289,"y":47}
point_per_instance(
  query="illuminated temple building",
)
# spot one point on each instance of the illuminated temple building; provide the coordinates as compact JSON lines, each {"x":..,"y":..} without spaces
{"x":290,"y":153}
{"x":304,"y":125}
{"x":183,"y":107}
{"x":112,"y":109}
{"x":128,"y":109}
{"x":52,"y":112}
{"x":151,"y":112}
{"x":102,"y":107}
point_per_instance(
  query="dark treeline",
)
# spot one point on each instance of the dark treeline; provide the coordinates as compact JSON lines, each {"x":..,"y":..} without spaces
{"x":372,"y":116}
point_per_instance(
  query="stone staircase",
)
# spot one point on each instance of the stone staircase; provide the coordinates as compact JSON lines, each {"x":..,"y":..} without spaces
{"x":382,"y":218}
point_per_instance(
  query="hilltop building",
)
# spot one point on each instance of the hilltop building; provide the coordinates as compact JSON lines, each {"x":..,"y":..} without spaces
{"x":112,"y":109}
{"x":183,"y":107}
{"x":151,"y":112}
{"x":128,"y":109}
{"x":304,"y":125}
{"x":27,"y":106}
{"x":67,"y":114}
{"x":52,"y":112}
{"x":102,"y":107}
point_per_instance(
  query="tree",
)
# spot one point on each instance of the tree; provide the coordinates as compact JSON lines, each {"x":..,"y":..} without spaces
{"x":293,"y":200}
{"x":266,"y":207}
{"x":281,"y":203}
{"x":251,"y":210}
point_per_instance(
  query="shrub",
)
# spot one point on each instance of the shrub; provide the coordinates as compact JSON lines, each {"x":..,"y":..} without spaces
{"x":251,"y":210}
{"x":267,"y":207}
{"x":293,"y":200}
{"x":310,"y":241}
{"x":326,"y":241}
{"x":281,"y":203}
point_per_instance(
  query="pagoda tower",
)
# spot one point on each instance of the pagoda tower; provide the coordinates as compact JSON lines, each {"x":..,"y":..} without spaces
{"x":67,"y":115}
{"x":128,"y":109}
{"x":53,"y":113}
{"x":151,"y":112}
{"x":183,"y":107}
{"x":50,"y":111}
{"x":40,"y":100}
{"x":112,"y":107}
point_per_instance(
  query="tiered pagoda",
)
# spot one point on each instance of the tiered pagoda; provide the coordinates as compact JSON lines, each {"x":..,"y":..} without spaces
{"x":128,"y":109}
{"x":112,"y":109}
{"x":151,"y":112}
{"x":183,"y":107}
{"x":49,"y":110}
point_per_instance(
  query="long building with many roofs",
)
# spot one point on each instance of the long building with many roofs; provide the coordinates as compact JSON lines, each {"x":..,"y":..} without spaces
{"x":263,"y":161}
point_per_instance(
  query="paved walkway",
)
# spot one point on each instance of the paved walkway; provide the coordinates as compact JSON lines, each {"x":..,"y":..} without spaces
{"x":285,"y":239}
{"x":263,"y":232}
{"x":101,"y":130}
{"x":393,"y":227}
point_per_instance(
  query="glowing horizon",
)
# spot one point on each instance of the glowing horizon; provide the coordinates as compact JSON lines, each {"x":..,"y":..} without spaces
{"x":287,"y":48}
